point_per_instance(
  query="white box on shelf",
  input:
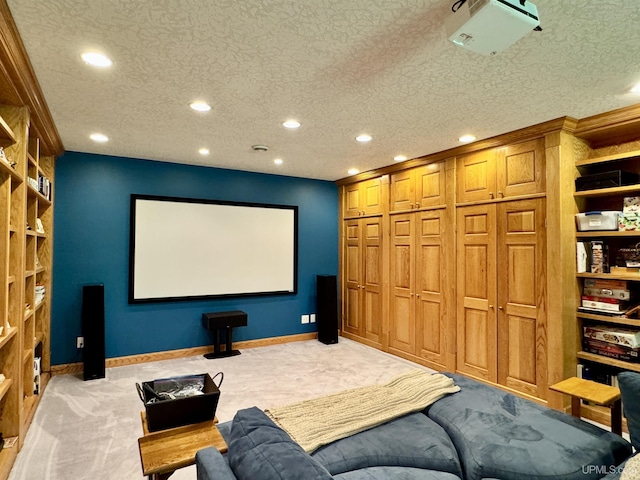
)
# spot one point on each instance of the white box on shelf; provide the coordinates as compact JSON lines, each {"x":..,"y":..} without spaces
{"x":599,"y":220}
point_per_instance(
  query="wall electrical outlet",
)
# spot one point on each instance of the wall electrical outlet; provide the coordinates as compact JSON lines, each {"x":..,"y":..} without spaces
{"x":80,"y":342}
{"x":304,"y":319}
{"x":312,"y":318}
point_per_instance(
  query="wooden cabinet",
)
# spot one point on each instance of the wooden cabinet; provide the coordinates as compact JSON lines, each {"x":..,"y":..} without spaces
{"x":419,"y":310}
{"x":504,"y":172}
{"x":419,"y":187}
{"x":363,"y":198}
{"x":26,"y":220}
{"x":501,"y":287}
{"x":362,"y":279}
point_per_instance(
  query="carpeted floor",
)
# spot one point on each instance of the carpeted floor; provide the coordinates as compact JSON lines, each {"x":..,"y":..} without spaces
{"x":88,"y":430}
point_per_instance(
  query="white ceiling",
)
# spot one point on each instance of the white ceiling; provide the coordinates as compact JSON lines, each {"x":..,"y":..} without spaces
{"x":340,"y":67}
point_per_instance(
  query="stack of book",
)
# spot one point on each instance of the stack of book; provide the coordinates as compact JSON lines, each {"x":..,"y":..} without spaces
{"x":606,"y":296}
{"x":620,"y":343}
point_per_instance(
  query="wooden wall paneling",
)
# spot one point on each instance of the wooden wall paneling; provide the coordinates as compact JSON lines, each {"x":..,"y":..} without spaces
{"x":522,"y":321}
{"x":562,"y":287}
{"x":476,"y":291}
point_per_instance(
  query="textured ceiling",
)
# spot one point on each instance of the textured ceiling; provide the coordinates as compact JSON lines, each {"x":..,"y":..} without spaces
{"x":341,"y":67}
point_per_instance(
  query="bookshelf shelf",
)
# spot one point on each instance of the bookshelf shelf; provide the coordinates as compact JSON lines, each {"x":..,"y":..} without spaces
{"x":608,"y":158}
{"x":606,"y":192}
{"x":612,"y":362}
{"x":6,"y":134}
{"x":610,"y":319}
{"x":609,"y":276}
{"x":635,"y":233}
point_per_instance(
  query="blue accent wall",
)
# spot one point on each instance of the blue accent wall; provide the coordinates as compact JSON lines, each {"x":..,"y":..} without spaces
{"x":91,"y":245}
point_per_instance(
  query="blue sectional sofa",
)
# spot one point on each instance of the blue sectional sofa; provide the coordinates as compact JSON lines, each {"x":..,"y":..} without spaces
{"x":478,"y":433}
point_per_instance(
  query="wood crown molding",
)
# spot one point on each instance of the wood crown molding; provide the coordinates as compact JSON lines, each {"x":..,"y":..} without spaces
{"x":21,"y":87}
{"x":521,"y":135}
{"x":617,"y":126}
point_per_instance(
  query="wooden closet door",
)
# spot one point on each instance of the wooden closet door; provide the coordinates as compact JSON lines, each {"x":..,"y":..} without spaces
{"x":371,"y":196}
{"x":430,"y":284}
{"x":402,"y":335}
{"x":352,"y":200}
{"x":476,"y":292}
{"x":372,"y":278}
{"x":520,"y":169}
{"x":476,"y":177}
{"x":522,"y":322}
{"x":352,"y":314}
{"x":430,"y":185}
{"x":401,"y":191}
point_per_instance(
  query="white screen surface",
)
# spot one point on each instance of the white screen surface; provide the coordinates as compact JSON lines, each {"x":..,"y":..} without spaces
{"x":188,"y":248}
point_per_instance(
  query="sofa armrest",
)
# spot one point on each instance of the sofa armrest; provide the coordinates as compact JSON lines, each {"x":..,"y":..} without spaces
{"x":211,"y":465}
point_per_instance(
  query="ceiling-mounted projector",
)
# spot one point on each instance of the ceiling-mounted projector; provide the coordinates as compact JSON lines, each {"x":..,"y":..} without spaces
{"x":490,"y":26}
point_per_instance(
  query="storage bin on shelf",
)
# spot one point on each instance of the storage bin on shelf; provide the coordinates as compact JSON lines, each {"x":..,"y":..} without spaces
{"x":597,"y":220}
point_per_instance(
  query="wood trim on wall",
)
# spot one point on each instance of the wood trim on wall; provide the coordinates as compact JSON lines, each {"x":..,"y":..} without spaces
{"x":73,"y":368}
{"x":529,"y":133}
{"x":22,"y":87}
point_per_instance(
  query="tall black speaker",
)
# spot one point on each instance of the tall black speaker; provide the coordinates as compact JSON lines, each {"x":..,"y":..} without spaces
{"x":327,"y":308}
{"x":93,"y":354}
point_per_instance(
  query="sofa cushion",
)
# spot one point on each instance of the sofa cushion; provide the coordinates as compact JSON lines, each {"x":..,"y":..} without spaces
{"x":501,"y":435}
{"x":260,"y":449}
{"x":629,"y":383}
{"x":396,"y":473}
{"x":409,"y":441}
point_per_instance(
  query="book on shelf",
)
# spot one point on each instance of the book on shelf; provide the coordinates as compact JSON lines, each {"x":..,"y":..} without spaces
{"x":627,"y":337}
{"x":617,"y":293}
{"x":606,"y":304}
{"x":610,"y":350}
{"x":592,"y":256}
{"x":606,"y":283}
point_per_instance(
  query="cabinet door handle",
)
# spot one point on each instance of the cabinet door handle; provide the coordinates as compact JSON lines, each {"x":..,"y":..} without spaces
{"x":500,"y":193}
{"x":362,"y":287}
{"x":418,"y":295}
{"x":491,"y":194}
{"x":500,"y":308}
{"x":411,"y":294}
{"x":490,"y":306}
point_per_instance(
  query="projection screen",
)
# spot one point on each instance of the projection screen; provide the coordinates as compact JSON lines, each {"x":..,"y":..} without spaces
{"x":187,"y":249}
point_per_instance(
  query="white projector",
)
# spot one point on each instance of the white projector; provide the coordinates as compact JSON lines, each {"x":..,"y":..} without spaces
{"x":491,"y":26}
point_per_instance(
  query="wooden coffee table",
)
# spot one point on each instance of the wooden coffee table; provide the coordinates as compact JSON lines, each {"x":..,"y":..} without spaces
{"x":163,"y":452}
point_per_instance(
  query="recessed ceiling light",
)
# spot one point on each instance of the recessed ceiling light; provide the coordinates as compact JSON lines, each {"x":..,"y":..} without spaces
{"x":200,"y":106}
{"x":96,"y":59}
{"x":635,"y":88}
{"x":278,"y":161}
{"x":99,"y":137}
{"x":467,"y":138}
{"x":363,"y":138}
{"x":291,"y":124}
{"x":203,"y":151}
{"x":399,"y":158}
{"x":353,"y":171}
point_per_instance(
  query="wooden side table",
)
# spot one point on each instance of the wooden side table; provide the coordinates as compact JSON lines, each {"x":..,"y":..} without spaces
{"x":595,"y":392}
{"x":165,"y":451}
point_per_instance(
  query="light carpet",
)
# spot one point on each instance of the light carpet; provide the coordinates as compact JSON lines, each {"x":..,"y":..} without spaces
{"x":88,"y":430}
{"x":323,"y":420}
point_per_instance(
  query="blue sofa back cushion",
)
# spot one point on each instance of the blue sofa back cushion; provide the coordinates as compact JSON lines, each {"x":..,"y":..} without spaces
{"x":629,"y":383}
{"x":409,"y":441}
{"x":395,"y":473}
{"x":501,"y":435}
{"x":258,"y":448}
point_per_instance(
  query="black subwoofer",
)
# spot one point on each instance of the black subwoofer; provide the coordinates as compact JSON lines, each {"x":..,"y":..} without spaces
{"x":327,"y":308}
{"x":93,"y":353}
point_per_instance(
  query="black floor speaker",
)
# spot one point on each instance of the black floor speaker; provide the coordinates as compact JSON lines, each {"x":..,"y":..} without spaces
{"x":93,"y":354}
{"x":327,"y":308}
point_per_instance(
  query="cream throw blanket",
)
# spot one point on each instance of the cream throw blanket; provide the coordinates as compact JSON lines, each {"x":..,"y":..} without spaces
{"x":320,"y":421}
